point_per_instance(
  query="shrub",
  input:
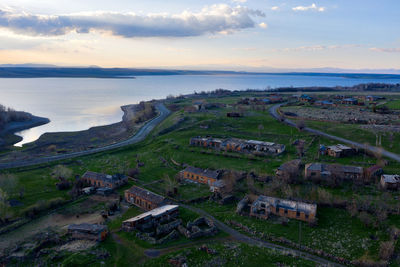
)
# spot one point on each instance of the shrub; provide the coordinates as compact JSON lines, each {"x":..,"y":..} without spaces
{"x":41,"y":206}
{"x":365,"y":218}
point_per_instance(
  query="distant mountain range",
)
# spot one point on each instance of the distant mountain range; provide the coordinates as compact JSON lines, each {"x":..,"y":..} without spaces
{"x":53,"y":71}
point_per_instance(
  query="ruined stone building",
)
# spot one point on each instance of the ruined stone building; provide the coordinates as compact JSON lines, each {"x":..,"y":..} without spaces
{"x":152,"y":218}
{"x":239,"y":145}
{"x":104,"y":180}
{"x":144,"y":198}
{"x":339,"y":151}
{"x":289,"y":170}
{"x":200,"y":175}
{"x":206,"y":142}
{"x":265,"y":206}
{"x":322,"y":171}
{"x":87,"y":231}
{"x":390,"y":181}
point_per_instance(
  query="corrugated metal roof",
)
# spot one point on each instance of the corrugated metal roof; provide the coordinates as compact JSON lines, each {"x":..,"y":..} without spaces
{"x":154,"y":213}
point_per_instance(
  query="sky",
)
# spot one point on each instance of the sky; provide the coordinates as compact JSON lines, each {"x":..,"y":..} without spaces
{"x":248,"y":35}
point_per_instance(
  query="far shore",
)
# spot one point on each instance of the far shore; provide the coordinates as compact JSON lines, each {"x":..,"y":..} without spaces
{"x":18,"y":126}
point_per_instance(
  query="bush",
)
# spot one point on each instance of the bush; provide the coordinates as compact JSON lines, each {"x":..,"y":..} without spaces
{"x":63,"y":185}
{"x":366,"y":219}
{"x":41,"y":206}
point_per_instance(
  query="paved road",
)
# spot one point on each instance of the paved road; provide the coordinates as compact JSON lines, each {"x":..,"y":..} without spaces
{"x":274,"y":113}
{"x":261,"y":243}
{"x":139,"y":136}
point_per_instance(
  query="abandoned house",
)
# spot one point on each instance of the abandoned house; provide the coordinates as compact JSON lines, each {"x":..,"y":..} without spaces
{"x":144,"y":198}
{"x":104,"y":180}
{"x":275,"y":99}
{"x":325,"y":171}
{"x":350,"y":101}
{"x":239,"y":145}
{"x":324,"y":103}
{"x":151,"y":218}
{"x":289,"y":170}
{"x":201,"y":176}
{"x":87,"y":231}
{"x":339,"y":151}
{"x":306,"y":98}
{"x":206,"y":142}
{"x":265,"y":206}
{"x":390,"y":181}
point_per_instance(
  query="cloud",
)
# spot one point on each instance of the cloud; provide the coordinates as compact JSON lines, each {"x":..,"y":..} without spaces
{"x":314,"y":48}
{"x":275,"y":8}
{"x":263,"y":25}
{"x":239,"y":1}
{"x":210,"y":20}
{"x":385,"y":50}
{"x":312,"y":7}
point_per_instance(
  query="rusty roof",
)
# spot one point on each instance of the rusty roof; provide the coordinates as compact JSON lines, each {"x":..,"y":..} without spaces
{"x":207,"y":173}
{"x":146,"y":194}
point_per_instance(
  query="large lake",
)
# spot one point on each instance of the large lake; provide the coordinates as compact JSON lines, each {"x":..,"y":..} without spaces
{"x":74,"y":104}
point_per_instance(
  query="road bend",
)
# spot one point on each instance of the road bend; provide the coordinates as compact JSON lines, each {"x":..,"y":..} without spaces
{"x":261,"y":243}
{"x":139,"y":136}
{"x":372,"y":149}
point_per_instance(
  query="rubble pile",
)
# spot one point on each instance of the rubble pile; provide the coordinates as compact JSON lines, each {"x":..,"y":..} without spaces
{"x":352,"y":115}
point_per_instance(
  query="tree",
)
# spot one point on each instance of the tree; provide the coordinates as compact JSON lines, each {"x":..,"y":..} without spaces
{"x":229,"y":178}
{"x":260,"y":129}
{"x":5,"y":212}
{"x":60,"y":171}
{"x":386,"y":250}
{"x":8,"y":182}
{"x":170,"y":185}
{"x":300,"y":125}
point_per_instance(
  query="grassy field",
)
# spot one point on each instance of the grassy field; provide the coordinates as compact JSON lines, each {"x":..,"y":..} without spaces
{"x":395,"y":104}
{"x":356,"y":133}
{"x":231,"y":254}
{"x":336,"y":233}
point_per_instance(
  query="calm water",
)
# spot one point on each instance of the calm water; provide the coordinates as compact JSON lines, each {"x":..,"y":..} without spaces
{"x":78,"y":104}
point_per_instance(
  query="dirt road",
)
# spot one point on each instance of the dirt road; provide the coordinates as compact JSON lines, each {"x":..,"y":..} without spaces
{"x":376,"y":150}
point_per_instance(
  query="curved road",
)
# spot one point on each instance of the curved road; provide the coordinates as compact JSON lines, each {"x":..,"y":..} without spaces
{"x":139,"y":136}
{"x":274,"y":113}
{"x":258,"y":242}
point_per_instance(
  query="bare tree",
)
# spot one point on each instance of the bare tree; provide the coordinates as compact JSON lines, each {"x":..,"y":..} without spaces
{"x":260,"y":129}
{"x":386,"y":250}
{"x":170,"y":185}
{"x":61,"y":171}
{"x":5,"y":212}
{"x":300,"y":124}
{"x":8,"y":182}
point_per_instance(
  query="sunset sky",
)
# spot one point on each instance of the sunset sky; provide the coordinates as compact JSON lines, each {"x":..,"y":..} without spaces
{"x":238,"y":35}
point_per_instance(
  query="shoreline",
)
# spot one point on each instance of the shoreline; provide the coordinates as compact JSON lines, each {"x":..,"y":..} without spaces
{"x":14,"y":127}
{"x":96,"y":137}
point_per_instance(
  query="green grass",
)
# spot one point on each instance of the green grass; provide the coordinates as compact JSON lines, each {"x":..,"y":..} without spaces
{"x":394,"y":104}
{"x":355,"y":133}
{"x":336,"y":233}
{"x":231,"y":254}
